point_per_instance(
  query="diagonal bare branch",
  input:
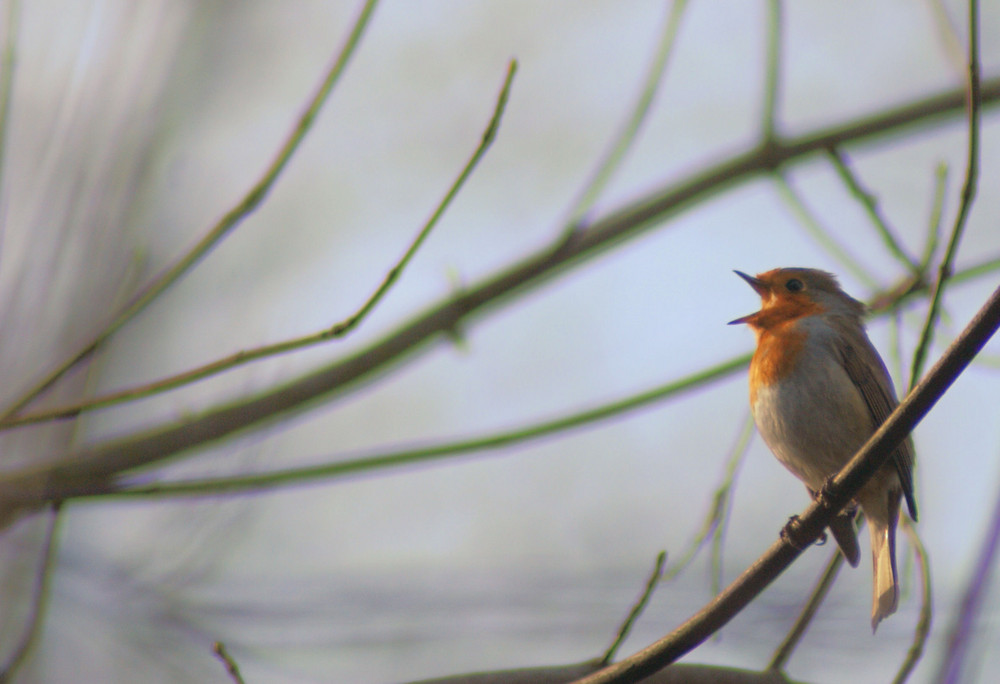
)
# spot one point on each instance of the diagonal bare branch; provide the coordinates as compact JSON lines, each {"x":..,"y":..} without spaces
{"x":809,"y":526}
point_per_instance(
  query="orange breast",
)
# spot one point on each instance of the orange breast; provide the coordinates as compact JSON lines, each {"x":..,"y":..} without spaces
{"x":778,"y":351}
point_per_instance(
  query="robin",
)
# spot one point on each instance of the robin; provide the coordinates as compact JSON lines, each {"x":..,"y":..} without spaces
{"x":818,"y":391}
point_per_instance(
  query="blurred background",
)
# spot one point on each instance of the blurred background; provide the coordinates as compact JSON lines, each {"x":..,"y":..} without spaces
{"x":134,"y":126}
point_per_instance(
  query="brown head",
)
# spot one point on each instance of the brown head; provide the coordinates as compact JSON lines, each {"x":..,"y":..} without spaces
{"x":788,"y":294}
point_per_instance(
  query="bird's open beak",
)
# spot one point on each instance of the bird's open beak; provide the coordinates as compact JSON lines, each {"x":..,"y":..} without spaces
{"x":758,"y":286}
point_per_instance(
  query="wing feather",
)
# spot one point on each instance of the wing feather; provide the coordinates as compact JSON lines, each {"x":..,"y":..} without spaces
{"x":865,"y":368}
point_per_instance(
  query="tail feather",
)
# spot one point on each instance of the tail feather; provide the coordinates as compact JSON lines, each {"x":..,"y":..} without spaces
{"x":885,"y":583}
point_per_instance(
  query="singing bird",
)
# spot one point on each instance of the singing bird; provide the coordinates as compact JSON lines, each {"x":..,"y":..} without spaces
{"x":818,"y":391}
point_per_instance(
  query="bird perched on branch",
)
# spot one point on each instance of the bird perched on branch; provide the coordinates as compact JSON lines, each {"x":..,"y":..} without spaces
{"x":818,"y":391}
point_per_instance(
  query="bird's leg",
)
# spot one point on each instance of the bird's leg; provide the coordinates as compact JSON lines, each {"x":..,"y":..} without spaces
{"x":791,"y":533}
{"x":822,"y":537}
{"x":823,"y":495}
{"x":841,"y":526}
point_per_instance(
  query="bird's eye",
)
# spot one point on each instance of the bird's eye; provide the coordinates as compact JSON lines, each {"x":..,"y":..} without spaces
{"x":794,"y":285}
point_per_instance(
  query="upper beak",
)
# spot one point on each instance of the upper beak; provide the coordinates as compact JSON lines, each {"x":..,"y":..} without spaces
{"x":758,"y":286}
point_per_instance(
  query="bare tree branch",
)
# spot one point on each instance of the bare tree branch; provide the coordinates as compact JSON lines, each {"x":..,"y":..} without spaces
{"x":335,"y":467}
{"x":7,"y":64}
{"x":974,"y":103}
{"x":232,"y":669}
{"x":636,"y":611}
{"x":808,"y":220}
{"x":923,"y":628}
{"x":870,"y":204}
{"x":624,"y":139}
{"x":246,"y":206}
{"x":816,"y":597}
{"x":93,"y":469}
{"x":39,"y":599}
{"x":335,"y":331}
{"x":772,"y":72}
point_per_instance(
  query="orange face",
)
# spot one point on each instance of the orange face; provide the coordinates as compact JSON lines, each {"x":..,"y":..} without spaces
{"x":785,"y":296}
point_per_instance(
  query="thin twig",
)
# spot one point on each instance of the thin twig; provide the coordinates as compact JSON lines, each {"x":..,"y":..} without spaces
{"x":973,"y":101}
{"x":715,"y":518}
{"x":636,"y":611}
{"x":937,"y":213}
{"x":816,"y":597}
{"x":810,"y":525}
{"x":624,"y":139}
{"x":820,"y":234}
{"x":724,"y":498}
{"x":923,"y":627}
{"x":772,"y":72}
{"x":335,"y":331}
{"x":250,"y":201}
{"x":7,"y":67}
{"x":92,"y":468}
{"x":340,"y":467}
{"x":948,"y":33}
{"x":904,"y":291}
{"x":870,"y":205}
{"x":220,"y":651}
{"x":963,"y":630}
{"x":896,"y":344}
{"x":39,"y":598}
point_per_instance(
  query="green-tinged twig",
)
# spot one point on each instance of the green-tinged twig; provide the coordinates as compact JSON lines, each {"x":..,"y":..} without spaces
{"x":335,"y":331}
{"x":820,"y":234}
{"x":222,"y":653}
{"x":95,"y":467}
{"x":819,"y":592}
{"x":870,"y":205}
{"x":250,"y":201}
{"x":948,"y":33}
{"x":772,"y":72}
{"x":715,"y":519}
{"x":937,"y":212}
{"x":624,"y":139}
{"x":723,"y":499}
{"x":973,"y":100}
{"x":903,"y":292}
{"x":341,"y":468}
{"x":923,"y":627}
{"x":39,"y":599}
{"x":636,"y":611}
{"x":8,"y":62}
{"x":896,"y":344}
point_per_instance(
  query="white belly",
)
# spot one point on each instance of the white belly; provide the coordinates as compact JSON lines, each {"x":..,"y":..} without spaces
{"x":814,"y":419}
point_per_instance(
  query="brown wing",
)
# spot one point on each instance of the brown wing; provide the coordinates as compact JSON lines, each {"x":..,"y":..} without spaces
{"x":865,"y":368}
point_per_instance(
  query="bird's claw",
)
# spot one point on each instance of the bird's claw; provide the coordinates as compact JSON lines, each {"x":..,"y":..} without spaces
{"x":791,"y":533}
